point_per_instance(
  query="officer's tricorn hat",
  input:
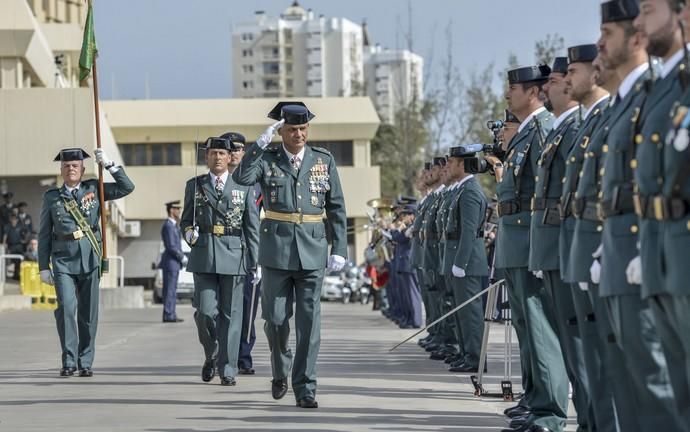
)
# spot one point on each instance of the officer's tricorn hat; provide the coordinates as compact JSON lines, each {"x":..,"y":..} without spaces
{"x":582,"y":53}
{"x":173,"y":205}
{"x":461,"y":152}
{"x":405,"y":200}
{"x":440,"y":161}
{"x":511,"y":118}
{"x":560,"y":65}
{"x":237,"y":140}
{"x":294,"y":113}
{"x":219,"y":143}
{"x":22,"y":204}
{"x":619,"y":10}
{"x":428,"y":165}
{"x":529,"y":74}
{"x":8,"y":195}
{"x":71,"y":154}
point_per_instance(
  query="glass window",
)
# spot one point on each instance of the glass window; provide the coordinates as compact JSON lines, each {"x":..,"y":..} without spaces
{"x":151,"y":154}
{"x":341,"y":151}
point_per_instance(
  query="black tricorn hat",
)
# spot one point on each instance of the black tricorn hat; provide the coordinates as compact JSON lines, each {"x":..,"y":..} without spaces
{"x":511,"y":118}
{"x":460,"y":152}
{"x":237,"y":140}
{"x":8,"y":195}
{"x":428,"y":165}
{"x":22,"y":204}
{"x":218,"y":143}
{"x":173,"y":205}
{"x":71,"y":154}
{"x":619,"y":10}
{"x":529,"y":74}
{"x":560,"y":65}
{"x":404,"y":200}
{"x":294,"y":113}
{"x":440,"y":161}
{"x":582,"y":53}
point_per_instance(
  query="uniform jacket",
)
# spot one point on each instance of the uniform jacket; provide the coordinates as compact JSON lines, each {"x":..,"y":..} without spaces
{"x":235,"y":209}
{"x":403,"y":246}
{"x":448,"y":195}
{"x":417,"y":253}
{"x":311,"y":190}
{"x":512,"y":247}
{"x":430,"y":233}
{"x":172,"y":256}
{"x":75,"y":256}
{"x":549,"y":186}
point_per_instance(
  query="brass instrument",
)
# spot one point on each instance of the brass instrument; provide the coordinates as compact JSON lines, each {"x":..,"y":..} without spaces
{"x":382,"y":218}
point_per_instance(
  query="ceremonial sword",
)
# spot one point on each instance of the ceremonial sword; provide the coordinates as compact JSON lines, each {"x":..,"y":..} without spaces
{"x":196,"y":172}
{"x":470,"y":300}
{"x":251,"y":310}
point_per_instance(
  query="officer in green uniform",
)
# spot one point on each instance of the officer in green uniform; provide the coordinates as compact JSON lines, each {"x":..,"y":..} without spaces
{"x":544,"y":408}
{"x":622,"y":47}
{"x":220,"y":223}
{"x":69,"y":238}
{"x":416,"y":254}
{"x":663,"y":29}
{"x":465,"y":257}
{"x":589,"y":86}
{"x":298,"y":183}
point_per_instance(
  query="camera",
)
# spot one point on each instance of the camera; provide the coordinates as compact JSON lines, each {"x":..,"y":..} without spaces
{"x":476,"y":165}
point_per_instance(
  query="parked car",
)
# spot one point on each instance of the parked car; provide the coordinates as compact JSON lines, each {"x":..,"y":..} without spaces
{"x":332,"y":288}
{"x":185,"y":281}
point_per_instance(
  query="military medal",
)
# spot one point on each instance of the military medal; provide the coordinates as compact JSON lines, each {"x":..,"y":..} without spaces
{"x":237,"y":197}
{"x":314,"y":200}
{"x":682,"y":137}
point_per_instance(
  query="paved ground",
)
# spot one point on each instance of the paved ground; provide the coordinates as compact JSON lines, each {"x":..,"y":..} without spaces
{"x":147,"y":379}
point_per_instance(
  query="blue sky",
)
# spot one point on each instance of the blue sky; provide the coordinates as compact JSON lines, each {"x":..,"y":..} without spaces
{"x":183,"y":47}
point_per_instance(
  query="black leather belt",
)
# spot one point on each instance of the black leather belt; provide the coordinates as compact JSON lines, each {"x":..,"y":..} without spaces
{"x":221,"y":230}
{"x":544,"y":203}
{"x":622,"y":202}
{"x":452,"y":236}
{"x":510,"y":207}
{"x":585,"y":209}
{"x":661,"y":208}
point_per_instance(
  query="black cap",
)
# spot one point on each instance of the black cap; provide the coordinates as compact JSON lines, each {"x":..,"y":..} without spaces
{"x":173,"y":205}
{"x":582,"y":53}
{"x":71,"y":154}
{"x":619,"y":10}
{"x":460,"y":152}
{"x":440,"y":161}
{"x":294,"y":113}
{"x":529,"y":74}
{"x":22,"y":204}
{"x":218,"y":143}
{"x":237,"y":140}
{"x":427,"y":166}
{"x":511,"y":118}
{"x":560,"y":65}
{"x":408,"y":209}
{"x":8,"y":195}
{"x":404,"y":200}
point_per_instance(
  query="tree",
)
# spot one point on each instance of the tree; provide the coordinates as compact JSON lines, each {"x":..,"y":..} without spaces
{"x":546,"y":50}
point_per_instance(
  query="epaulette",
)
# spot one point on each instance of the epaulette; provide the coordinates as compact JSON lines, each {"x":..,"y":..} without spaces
{"x":322,"y":150}
{"x":271,"y":149}
{"x":52,"y":189}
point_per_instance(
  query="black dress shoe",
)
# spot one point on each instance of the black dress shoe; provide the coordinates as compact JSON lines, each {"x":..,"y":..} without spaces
{"x":307,"y":402}
{"x":176,"y":320}
{"x":517,"y":410}
{"x":246,"y":371}
{"x":438,"y":355}
{"x":465,"y":368}
{"x":454,"y":358}
{"x":432,"y":347}
{"x":208,"y":371}
{"x":529,"y":428}
{"x":67,"y":371}
{"x":86,"y":373}
{"x":519,"y":421}
{"x":279,"y":388}
{"x":227,"y":381}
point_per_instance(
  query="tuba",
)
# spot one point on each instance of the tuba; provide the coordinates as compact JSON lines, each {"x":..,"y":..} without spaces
{"x":382,"y":218}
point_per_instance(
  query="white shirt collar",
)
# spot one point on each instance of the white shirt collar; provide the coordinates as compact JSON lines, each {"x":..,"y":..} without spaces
{"x":174,"y":222}
{"x":589,"y":110}
{"x":223,"y":178}
{"x":629,"y":81}
{"x":463,"y":181}
{"x":70,"y":189}
{"x":672,"y":62}
{"x":440,"y":188}
{"x":300,"y":155}
{"x":529,"y":118}
{"x":561,"y":118}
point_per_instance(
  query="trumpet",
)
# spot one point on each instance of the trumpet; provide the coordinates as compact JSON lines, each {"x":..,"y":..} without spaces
{"x":382,"y":218}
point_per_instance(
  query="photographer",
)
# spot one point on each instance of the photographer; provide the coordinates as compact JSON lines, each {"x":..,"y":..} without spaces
{"x":502,"y":137}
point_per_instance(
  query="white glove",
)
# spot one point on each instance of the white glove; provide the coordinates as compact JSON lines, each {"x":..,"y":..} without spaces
{"x":336,"y":263}
{"x":458,"y":272}
{"x":595,"y":269}
{"x":47,"y":277}
{"x":256,"y":275}
{"x":265,"y":138}
{"x":408,"y":232}
{"x":103,"y":160}
{"x":584,"y":286}
{"x":185,"y":260}
{"x":538,"y":274}
{"x":634,"y":271}
{"x":386,"y":234}
{"x":191,"y":236}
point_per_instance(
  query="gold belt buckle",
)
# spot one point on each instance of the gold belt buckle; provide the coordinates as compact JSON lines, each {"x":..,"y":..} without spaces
{"x":533,"y":203}
{"x":659,"y":208}
{"x":637,"y":202}
{"x":218,"y":230}
{"x":78,"y":234}
{"x":297,"y":218}
{"x":600,"y":211}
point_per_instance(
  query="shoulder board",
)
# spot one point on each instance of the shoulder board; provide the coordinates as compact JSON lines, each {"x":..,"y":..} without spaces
{"x":271,"y":149}
{"x":52,"y":189}
{"x":321,"y":150}
{"x":90,"y":181}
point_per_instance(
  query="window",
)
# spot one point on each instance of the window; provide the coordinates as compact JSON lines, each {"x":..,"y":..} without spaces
{"x":341,"y":151}
{"x":247,"y":53}
{"x":151,"y":154}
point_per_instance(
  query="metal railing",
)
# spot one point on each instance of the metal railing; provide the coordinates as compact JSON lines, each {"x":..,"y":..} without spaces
{"x":121,"y":270}
{"x":3,"y":268}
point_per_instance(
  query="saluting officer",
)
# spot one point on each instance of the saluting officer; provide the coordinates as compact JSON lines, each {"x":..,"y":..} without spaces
{"x":299,"y":183}
{"x":69,"y":238}
{"x":220,"y":222}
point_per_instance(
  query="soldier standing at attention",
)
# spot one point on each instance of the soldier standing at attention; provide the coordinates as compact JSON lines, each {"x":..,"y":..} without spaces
{"x":172,"y":260}
{"x":69,"y":238}
{"x":221,"y":228}
{"x":299,"y":183}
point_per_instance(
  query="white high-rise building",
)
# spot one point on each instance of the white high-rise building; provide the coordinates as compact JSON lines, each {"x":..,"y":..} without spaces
{"x":297,"y":55}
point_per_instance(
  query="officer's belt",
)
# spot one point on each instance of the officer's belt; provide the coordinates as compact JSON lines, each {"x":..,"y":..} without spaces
{"x":585,"y":209}
{"x":624,"y":206}
{"x":76,"y":235}
{"x":296,"y":218}
{"x":431,"y":236}
{"x":509,"y":207}
{"x":544,"y":203}
{"x":221,"y":230}
{"x":661,"y":208}
{"x":456,"y":235}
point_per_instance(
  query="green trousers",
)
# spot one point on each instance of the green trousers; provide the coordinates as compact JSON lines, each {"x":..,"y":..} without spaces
{"x":218,"y":300}
{"x":517,"y":315}
{"x":469,"y":321}
{"x":426,"y":300}
{"x":280,"y":289}
{"x":76,"y":317}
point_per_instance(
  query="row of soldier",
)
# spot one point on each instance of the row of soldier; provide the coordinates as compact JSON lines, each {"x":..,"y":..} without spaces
{"x":593,"y":203}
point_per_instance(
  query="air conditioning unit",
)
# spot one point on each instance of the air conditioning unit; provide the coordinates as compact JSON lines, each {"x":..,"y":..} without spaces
{"x":131,"y":229}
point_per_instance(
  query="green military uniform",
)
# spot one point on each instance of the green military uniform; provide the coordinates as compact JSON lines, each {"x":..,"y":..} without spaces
{"x":293,"y":250}
{"x":631,"y":318}
{"x":655,"y":120}
{"x":224,"y":254}
{"x":548,"y":398}
{"x":417,"y":255}
{"x":464,"y":234}
{"x":76,"y":265}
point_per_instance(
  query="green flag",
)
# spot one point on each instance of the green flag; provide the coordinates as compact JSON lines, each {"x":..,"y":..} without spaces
{"x":88,"y":47}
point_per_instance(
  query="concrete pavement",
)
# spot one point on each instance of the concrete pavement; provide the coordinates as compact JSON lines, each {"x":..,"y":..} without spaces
{"x":147,"y":379}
